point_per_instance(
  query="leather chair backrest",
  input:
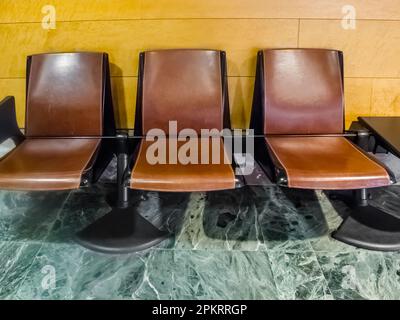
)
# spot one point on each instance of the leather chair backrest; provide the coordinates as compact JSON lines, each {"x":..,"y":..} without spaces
{"x":303,"y":91}
{"x":184,"y":86}
{"x":65,"y":94}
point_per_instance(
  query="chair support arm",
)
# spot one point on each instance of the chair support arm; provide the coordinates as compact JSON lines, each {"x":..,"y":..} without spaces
{"x":361,"y":133}
{"x":8,"y":121}
{"x":122,"y":165}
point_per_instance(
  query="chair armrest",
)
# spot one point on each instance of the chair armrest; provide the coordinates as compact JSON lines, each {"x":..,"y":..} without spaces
{"x":121,"y":151}
{"x":357,"y":128}
{"x":361,"y":135}
{"x":121,"y":143}
{"x":8,"y":121}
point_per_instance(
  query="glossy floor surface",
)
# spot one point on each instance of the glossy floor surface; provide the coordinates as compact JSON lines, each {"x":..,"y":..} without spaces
{"x":249,"y":243}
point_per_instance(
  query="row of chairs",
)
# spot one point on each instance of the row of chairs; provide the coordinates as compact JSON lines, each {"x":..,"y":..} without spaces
{"x":70,"y":132}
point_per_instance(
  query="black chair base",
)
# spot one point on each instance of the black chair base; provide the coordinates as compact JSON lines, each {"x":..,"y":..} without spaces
{"x":120,"y":231}
{"x":370,"y":228}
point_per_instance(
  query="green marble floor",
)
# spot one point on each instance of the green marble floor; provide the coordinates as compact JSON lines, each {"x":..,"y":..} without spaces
{"x":249,"y":243}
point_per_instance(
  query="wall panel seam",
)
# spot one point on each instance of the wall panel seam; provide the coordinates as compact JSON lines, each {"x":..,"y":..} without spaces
{"x":184,"y":19}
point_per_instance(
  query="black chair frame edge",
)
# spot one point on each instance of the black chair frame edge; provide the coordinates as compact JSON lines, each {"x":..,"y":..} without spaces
{"x":8,"y":121}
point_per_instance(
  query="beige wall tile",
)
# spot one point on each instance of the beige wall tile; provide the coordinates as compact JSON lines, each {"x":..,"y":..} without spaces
{"x":240,"y":38}
{"x":123,"y":40}
{"x":240,"y":97}
{"x":386,"y":97}
{"x":366,"y":9}
{"x":124,"y":98}
{"x":357,"y":98}
{"x":372,"y":50}
{"x":68,"y":10}
{"x":73,"y":10}
{"x":116,"y":38}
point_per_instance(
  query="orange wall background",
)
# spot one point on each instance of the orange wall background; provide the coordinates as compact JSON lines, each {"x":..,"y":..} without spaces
{"x":123,"y":28}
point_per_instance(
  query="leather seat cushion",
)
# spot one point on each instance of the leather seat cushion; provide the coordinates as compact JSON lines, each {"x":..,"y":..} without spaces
{"x":47,"y":164}
{"x":182,"y":177}
{"x":325,"y":163}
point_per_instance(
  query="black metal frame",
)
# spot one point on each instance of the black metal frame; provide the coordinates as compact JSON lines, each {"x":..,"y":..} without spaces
{"x":366,"y":227}
{"x":276,"y":174}
{"x":122,"y":230}
{"x":107,"y":147}
{"x":379,"y":142}
{"x":8,"y":121}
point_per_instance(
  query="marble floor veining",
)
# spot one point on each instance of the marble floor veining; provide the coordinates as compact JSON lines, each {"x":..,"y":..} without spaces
{"x":248,"y":243}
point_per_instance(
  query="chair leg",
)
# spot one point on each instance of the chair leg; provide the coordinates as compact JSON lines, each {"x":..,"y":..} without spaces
{"x":122,"y":196}
{"x":123,"y":229}
{"x":369,"y":227}
{"x":375,"y":148}
{"x":120,"y":231}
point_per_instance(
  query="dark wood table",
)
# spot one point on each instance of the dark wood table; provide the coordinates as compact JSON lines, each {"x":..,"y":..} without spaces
{"x":386,"y":131}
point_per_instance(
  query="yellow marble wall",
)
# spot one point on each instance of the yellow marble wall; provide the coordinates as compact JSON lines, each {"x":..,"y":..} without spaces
{"x":123,"y":28}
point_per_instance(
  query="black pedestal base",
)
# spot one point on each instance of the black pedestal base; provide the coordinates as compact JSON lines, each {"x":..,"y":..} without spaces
{"x":370,"y":228}
{"x":120,"y":231}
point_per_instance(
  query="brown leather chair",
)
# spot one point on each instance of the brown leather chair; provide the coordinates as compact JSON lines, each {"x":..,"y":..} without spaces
{"x":298,"y":107}
{"x":68,"y":110}
{"x":190,"y":87}
{"x":187,"y":86}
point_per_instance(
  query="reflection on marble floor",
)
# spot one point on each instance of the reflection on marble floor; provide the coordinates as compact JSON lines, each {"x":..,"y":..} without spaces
{"x":249,"y":243}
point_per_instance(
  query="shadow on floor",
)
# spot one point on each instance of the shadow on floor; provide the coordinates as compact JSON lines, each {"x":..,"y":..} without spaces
{"x":57,"y":216}
{"x":164,"y":210}
{"x":250,"y":213}
{"x":264,"y":214}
